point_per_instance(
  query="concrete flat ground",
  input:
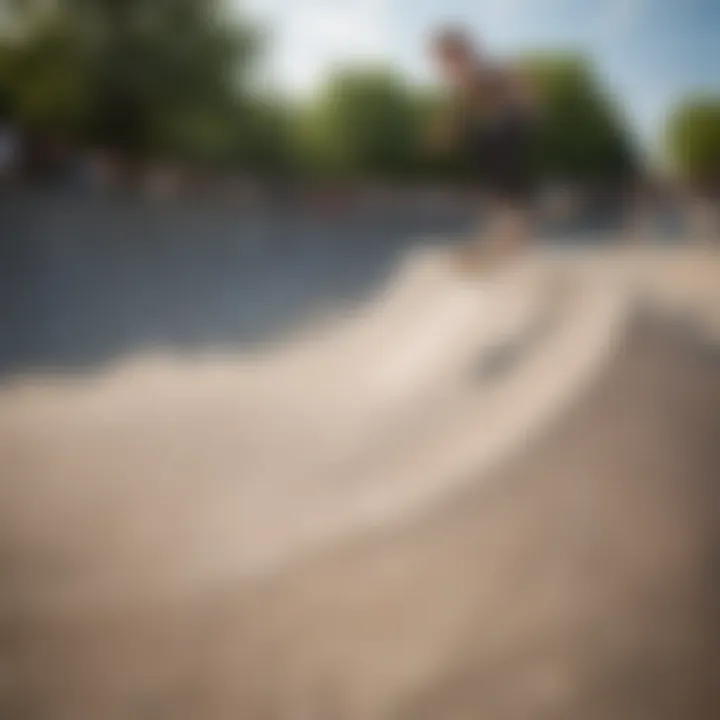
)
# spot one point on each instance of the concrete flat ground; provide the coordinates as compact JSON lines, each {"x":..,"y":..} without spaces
{"x":577,"y":581}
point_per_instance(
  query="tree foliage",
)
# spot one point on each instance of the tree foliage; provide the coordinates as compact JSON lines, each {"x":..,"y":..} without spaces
{"x":174,"y":78}
{"x":166,"y":75}
{"x":582,"y":137}
{"x":371,"y":122}
{"x":364,"y":123}
{"x":693,"y":136}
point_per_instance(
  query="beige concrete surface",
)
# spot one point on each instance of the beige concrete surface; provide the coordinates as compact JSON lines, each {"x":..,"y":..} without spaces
{"x":574,"y":579}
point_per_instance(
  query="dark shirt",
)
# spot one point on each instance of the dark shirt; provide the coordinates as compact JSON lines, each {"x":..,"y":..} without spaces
{"x":495,"y":96}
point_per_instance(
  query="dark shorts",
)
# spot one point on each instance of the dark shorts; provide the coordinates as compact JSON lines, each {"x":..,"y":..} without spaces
{"x":501,"y":158}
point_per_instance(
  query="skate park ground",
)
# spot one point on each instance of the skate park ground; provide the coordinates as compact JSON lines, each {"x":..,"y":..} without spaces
{"x":424,"y":508}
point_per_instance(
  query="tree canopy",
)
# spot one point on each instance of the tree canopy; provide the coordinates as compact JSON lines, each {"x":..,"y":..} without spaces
{"x":583,"y":137}
{"x":363,"y":123}
{"x":165,"y":76}
{"x":175,"y":78}
{"x":693,"y":137}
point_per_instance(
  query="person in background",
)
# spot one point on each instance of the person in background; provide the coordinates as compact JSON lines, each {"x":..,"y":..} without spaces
{"x":493,"y":121}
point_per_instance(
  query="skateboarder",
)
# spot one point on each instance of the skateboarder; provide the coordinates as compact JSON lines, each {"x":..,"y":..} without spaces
{"x":493,"y":121}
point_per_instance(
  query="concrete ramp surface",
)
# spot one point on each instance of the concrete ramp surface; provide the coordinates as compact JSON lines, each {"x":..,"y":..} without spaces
{"x":229,"y":466}
{"x":376,"y":517}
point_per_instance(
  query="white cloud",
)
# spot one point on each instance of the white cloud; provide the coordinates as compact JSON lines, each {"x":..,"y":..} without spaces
{"x":310,"y":36}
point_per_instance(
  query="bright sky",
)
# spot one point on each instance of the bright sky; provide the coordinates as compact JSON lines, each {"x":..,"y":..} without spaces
{"x":650,"y":51}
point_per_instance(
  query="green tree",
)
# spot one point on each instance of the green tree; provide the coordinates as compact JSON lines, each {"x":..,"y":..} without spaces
{"x":262,"y":135}
{"x":364,"y":124}
{"x":44,"y":79}
{"x":583,"y":137}
{"x":140,"y":75}
{"x":693,"y":137}
{"x":370,"y":123}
